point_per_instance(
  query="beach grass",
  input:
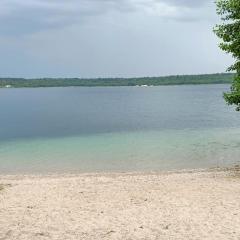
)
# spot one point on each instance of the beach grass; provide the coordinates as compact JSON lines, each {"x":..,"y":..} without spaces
{"x":1,"y":187}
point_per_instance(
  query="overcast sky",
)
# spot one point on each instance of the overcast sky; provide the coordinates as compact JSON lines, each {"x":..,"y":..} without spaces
{"x":108,"y":38}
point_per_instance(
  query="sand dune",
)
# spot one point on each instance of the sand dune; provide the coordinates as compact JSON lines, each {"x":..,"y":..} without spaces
{"x":186,"y":205}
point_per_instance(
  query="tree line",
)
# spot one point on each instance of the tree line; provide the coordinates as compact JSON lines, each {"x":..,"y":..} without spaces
{"x":101,"y":82}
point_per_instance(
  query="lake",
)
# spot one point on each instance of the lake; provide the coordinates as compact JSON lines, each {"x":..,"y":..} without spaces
{"x":117,"y":129}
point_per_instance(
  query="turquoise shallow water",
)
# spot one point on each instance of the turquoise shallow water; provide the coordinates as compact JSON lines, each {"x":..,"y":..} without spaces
{"x":134,"y":151}
{"x":117,"y":129}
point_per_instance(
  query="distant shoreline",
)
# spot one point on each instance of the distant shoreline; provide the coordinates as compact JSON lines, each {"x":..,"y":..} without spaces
{"x":218,"y":78}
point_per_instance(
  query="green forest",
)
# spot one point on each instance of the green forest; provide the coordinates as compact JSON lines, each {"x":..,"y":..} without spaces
{"x":219,"y":78}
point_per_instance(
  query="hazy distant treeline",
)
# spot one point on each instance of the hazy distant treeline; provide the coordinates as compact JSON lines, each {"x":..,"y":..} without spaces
{"x":98,"y":82}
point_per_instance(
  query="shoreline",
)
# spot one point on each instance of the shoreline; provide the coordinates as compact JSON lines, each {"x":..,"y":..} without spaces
{"x":192,"y":79}
{"x":120,"y":173}
{"x":118,"y":86}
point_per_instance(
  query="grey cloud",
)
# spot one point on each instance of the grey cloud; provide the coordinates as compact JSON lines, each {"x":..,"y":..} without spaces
{"x":28,"y":16}
{"x":36,"y":15}
{"x":98,"y":38}
{"x":186,"y":3}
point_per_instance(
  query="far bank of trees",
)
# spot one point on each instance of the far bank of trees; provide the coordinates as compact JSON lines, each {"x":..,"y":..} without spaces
{"x":101,"y":82}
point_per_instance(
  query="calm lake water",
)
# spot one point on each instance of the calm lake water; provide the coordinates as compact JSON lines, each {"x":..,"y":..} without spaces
{"x":117,"y":129}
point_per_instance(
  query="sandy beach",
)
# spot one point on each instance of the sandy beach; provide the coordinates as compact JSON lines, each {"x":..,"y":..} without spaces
{"x":168,"y":205}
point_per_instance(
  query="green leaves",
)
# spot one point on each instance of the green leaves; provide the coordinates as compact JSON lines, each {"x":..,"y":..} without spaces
{"x":229,"y":32}
{"x":228,"y":9}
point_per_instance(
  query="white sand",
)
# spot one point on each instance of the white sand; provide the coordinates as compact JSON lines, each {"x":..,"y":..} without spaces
{"x":186,"y":205}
